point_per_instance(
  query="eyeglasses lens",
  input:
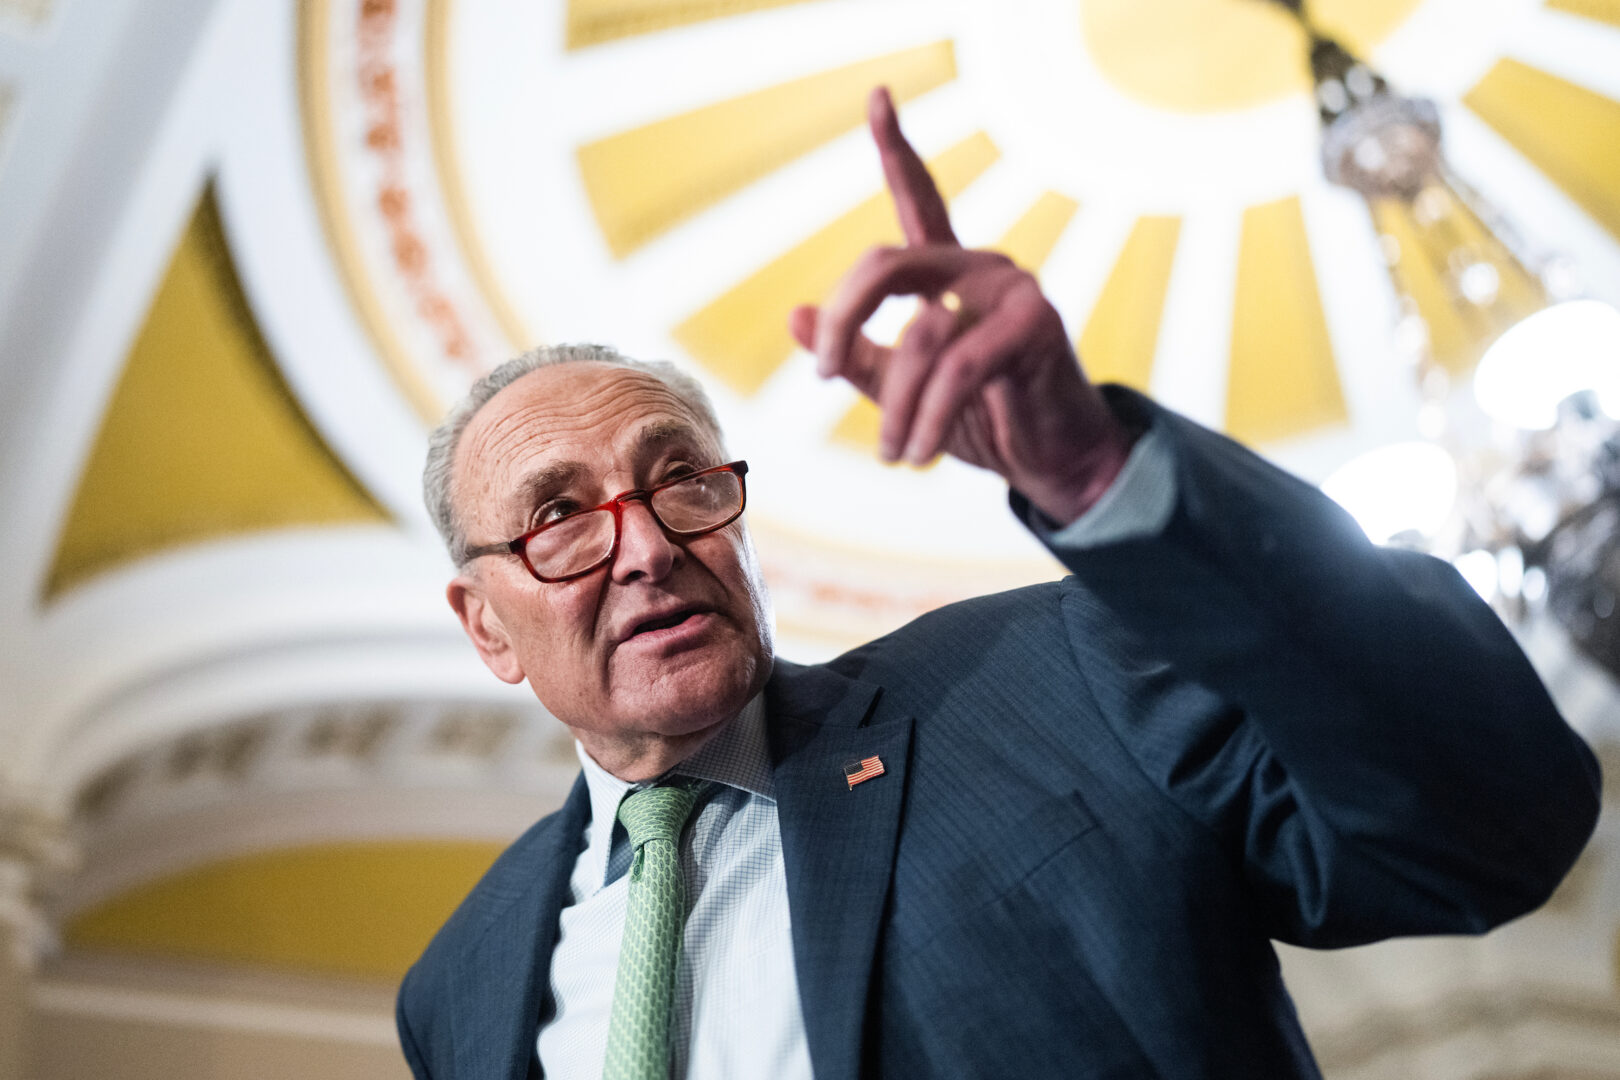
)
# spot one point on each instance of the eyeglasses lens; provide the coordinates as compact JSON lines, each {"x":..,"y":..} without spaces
{"x":572,"y":544}
{"x":703,"y":502}
{"x":697,"y":505}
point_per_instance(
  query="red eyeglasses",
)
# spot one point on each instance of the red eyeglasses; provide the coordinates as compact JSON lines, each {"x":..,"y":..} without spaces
{"x":573,"y":546}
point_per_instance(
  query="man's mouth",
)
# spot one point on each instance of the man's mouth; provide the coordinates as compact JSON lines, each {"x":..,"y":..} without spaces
{"x":662,"y":624}
{"x":665,"y":622}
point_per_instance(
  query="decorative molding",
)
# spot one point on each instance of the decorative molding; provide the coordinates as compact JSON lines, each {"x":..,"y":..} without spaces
{"x":34,"y":853}
{"x":8,"y":113}
{"x":439,"y":91}
{"x":31,"y":13}
{"x":394,"y":744}
{"x":385,"y":109}
{"x":388,"y":193}
{"x":321,"y":149}
{"x":184,"y":1010}
{"x":1394,"y":1034}
{"x":397,"y":799}
{"x":1608,"y":755}
{"x":456,"y":771}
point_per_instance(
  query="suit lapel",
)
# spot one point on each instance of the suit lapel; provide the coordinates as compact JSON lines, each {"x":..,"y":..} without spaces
{"x":501,"y":981}
{"x":838,"y":845}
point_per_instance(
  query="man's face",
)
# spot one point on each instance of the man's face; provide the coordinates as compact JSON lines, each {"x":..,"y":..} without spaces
{"x":584,"y":433}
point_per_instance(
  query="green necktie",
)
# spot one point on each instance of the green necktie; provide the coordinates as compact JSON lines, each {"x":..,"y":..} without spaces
{"x":644,"y":990}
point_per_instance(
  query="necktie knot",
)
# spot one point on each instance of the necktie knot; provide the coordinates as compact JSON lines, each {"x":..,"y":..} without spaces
{"x":657,"y":813}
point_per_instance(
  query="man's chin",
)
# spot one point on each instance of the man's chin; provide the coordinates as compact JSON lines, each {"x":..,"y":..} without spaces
{"x":691,"y":698}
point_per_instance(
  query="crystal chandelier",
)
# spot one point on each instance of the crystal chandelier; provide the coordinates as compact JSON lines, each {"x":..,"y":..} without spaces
{"x":1518,"y":483}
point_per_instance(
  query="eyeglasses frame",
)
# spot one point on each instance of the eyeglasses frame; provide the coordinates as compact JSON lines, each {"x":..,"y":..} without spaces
{"x":519,"y":545}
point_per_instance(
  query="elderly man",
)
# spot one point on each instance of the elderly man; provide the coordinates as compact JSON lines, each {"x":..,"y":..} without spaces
{"x":1045,"y":833}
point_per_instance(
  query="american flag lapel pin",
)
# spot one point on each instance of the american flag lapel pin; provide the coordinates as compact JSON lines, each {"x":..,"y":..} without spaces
{"x":860,"y":771}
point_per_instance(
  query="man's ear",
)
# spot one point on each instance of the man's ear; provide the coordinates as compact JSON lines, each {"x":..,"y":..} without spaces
{"x":484,"y":627}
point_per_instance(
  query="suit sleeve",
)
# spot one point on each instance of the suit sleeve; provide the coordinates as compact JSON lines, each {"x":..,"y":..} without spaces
{"x":1351,"y":722}
{"x":407,"y":1038}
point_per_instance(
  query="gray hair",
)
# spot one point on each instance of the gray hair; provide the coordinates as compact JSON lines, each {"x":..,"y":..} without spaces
{"x":438,"y":475}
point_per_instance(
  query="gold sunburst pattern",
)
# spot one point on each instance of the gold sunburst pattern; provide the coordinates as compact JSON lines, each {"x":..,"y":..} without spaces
{"x":1571,"y":133}
{"x":1027,"y":242}
{"x":1122,"y":334}
{"x":643,"y":181}
{"x":689,"y":221}
{"x":1283,"y":378}
{"x":1603,"y":10}
{"x":593,"y":22}
{"x":740,"y":337}
{"x":1211,"y":56}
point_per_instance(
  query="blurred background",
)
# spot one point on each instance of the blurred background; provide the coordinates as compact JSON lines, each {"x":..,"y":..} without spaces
{"x":251,"y":249}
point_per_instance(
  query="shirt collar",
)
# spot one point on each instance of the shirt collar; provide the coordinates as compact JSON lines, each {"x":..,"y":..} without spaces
{"x":737,"y":756}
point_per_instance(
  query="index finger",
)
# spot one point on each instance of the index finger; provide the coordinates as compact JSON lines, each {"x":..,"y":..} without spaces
{"x":917,"y":201}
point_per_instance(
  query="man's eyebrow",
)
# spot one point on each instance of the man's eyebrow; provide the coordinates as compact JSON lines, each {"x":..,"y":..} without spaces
{"x":536,"y":486}
{"x":660,"y":434}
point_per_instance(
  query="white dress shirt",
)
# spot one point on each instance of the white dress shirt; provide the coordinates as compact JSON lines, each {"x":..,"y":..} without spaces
{"x":736,"y":999}
{"x":737,"y":1011}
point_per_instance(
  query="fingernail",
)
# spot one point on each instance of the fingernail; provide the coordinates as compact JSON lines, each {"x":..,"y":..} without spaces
{"x":889,"y":452}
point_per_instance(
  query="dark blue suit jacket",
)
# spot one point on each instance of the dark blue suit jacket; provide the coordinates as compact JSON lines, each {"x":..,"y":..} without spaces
{"x":1104,"y":797}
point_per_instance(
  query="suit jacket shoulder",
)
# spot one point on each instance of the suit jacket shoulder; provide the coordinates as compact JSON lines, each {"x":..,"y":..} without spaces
{"x":934,"y":644}
{"x":468,"y":1006}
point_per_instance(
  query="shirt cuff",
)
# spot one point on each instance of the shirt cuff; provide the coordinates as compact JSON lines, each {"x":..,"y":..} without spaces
{"x":1137,"y":504}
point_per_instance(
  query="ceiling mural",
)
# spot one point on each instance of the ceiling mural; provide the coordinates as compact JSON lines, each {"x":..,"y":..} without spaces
{"x":396,"y":195}
{"x":672,"y":179}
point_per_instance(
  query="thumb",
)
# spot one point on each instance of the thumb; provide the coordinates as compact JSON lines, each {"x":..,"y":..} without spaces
{"x":802,"y":325}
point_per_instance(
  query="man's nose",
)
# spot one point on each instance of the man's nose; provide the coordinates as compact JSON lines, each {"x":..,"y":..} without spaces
{"x":644,"y":548}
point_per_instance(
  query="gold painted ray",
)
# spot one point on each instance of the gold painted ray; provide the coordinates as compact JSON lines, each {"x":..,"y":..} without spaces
{"x":1030,"y":239}
{"x":1282,"y":380}
{"x":859,"y":427}
{"x":593,"y":22}
{"x":1422,"y":241}
{"x":1202,"y":56}
{"x":1027,"y":242}
{"x":1122,"y":335}
{"x":741,"y":337}
{"x":1602,"y":10}
{"x":363,"y":910}
{"x":645,"y":181}
{"x":1569,"y":132}
{"x":202,"y":438}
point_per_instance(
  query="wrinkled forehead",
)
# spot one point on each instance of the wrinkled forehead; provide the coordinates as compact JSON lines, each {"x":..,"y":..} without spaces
{"x":596,"y":417}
